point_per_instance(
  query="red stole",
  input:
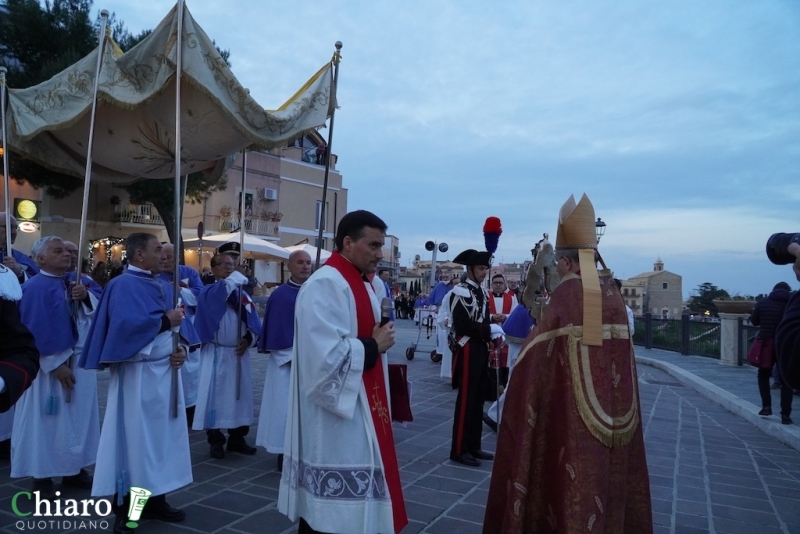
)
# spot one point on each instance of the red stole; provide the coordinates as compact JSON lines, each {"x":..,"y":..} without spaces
{"x":507,"y":295}
{"x":375,"y":386}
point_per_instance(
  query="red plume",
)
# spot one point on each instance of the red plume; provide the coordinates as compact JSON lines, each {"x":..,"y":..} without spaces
{"x":491,"y":233}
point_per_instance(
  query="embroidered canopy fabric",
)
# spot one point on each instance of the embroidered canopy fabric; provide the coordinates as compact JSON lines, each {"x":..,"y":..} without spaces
{"x":135,"y":125}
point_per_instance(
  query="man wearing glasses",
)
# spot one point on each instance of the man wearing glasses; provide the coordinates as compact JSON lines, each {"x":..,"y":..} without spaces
{"x":20,"y":264}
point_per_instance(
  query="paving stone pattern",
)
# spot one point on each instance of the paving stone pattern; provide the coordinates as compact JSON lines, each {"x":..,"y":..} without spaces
{"x":710,"y":471}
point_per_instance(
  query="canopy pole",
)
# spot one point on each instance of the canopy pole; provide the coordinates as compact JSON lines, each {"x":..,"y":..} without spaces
{"x":337,"y":56}
{"x":87,"y":178}
{"x":6,"y":175}
{"x":240,"y":333}
{"x":177,"y":208}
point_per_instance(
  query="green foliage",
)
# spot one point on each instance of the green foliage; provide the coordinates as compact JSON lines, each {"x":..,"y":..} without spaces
{"x":703,"y":297}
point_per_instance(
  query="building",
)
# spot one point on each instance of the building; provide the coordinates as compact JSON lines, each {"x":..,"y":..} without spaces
{"x":283,"y":200}
{"x":659,"y":292}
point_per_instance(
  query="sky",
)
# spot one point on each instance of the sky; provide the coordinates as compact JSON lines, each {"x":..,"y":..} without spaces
{"x":680,"y":120}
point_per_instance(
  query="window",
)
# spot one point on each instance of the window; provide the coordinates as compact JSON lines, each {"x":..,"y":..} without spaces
{"x":625,"y":291}
{"x":318,"y":214}
{"x":665,"y":285}
{"x":316,"y":243}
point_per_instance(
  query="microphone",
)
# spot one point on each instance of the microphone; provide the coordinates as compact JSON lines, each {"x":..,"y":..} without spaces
{"x":386,"y":310}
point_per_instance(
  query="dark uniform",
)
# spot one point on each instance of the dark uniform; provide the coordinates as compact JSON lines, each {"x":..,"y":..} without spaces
{"x":471,"y":323}
{"x":19,"y":358}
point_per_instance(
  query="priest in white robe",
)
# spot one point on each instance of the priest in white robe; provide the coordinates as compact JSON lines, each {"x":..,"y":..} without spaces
{"x":225,"y":387}
{"x":141,"y":443}
{"x":56,"y":428}
{"x":340,"y":470}
{"x":277,"y":337}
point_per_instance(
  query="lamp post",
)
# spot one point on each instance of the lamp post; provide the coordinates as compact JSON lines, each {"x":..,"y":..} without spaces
{"x":599,"y":229}
{"x":431,"y":246}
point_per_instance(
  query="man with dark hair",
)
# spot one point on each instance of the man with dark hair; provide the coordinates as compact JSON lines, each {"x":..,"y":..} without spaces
{"x":225,"y":387}
{"x":766,"y":315}
{"x":141,"y":443}
{"x":473,"y":331}
{"x":787,"y":337}
{"x":340,"y":468}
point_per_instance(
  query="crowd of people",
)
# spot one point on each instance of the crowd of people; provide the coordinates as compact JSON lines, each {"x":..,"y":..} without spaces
{"x":570,"y":452}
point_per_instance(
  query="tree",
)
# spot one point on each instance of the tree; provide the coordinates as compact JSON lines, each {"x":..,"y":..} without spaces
{"x":199,"y":187}
{"x":39,"y":41}
{"x":702,"y":299}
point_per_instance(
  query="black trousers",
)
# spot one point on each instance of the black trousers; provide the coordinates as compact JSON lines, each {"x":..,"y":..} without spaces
{"x":216,"y":437}
{"x":471,"y":377}
{"x":766,"y":397}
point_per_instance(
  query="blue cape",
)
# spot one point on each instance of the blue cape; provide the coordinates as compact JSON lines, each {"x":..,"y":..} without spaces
{"x":278,"y":331}
{"x":189,"y":278}
{"x":28,"y":264}
{"x":127,"y":318}
{"x":518,"y":324}
{"x":90,"y":284}
{"x":212,"y":304}
{"x":186,"y":330}
{"x":438,"y":293}
{"x":45,"y":310}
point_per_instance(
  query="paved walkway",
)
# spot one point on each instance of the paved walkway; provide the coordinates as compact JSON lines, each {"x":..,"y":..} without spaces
{"x":711,"y":471}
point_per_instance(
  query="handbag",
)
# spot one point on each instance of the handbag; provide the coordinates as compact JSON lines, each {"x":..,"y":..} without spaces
{"x":760,"y":354}
{"x":400,"y":393}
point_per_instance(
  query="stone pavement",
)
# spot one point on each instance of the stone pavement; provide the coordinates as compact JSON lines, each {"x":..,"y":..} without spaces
{"x":710,"y":470}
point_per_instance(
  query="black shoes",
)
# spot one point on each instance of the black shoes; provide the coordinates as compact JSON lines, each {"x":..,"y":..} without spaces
{"x":121,"y":525}
{"x":217,"y":452}
{"x":488,"y":421}
{"x":240,"y":447}
{"x":82,"y":480}
{"x":481,"y":455}
{"x":786,"y":420}
{"x":157,"y":508}
{"x":45,"y":488}
{"x":765,"y":411}
{"x":466,"y":459}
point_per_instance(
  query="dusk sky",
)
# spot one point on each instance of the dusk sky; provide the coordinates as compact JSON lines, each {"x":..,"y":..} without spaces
{"x":680,"y":120}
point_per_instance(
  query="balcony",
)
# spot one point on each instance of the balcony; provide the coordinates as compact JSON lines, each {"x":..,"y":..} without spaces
{"x":252,"y":225}
{"x":137,"y":214}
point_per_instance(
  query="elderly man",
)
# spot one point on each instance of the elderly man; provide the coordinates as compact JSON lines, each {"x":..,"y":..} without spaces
{"x":570,"y":449}
{"x":228,"y":325}
{"x":90,"y":284}
{"x":141,"y":443}
{"x":340,"y":472}
{"x":56,"y":428}
{"x":20,"y":264}
{"x":277,"y":338}
{"x":190,"y":286}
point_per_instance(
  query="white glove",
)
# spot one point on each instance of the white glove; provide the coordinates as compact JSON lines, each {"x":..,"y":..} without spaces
{"x":497,"y":331}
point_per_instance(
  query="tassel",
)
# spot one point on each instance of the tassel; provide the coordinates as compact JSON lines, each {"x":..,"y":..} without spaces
{"x":492,"y":229}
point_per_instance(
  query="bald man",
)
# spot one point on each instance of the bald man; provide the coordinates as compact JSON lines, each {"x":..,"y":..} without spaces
{"x":277,"y":339}
{"x":20,"y":264}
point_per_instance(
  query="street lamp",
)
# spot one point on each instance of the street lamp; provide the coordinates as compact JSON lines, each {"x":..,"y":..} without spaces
{"x":599,"y":229}
{"x":431,"y":247}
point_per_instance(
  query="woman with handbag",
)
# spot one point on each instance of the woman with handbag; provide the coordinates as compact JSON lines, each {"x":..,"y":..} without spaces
{"x":766,"y":315}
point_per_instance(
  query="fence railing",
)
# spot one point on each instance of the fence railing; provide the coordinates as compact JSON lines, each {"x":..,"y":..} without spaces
{"x":137,"y":213}
{"x":680,"y":335}
{"x":252,"y":225}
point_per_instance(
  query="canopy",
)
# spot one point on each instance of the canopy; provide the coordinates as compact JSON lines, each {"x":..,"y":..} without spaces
{"x":134,"y":134}
{"x":254,"y":247}
{"x":312,"y":251}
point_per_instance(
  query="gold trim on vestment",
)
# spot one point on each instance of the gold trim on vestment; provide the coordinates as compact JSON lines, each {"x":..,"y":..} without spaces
{"x":611,"y":431}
